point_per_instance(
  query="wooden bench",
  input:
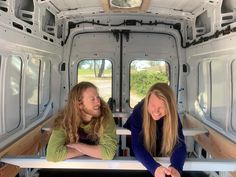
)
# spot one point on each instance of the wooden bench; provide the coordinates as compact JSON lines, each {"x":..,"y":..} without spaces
{"x":123,"y":131}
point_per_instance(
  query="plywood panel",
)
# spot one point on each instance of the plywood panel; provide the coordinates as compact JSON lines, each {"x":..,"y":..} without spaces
{"x":213,"y":142}
{"x":29,"y":144}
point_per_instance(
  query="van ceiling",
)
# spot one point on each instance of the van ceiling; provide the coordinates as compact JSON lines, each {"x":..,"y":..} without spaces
{"x":186,"y":9}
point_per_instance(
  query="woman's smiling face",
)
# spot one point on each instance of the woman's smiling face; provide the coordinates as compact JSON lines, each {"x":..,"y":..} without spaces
{"x":156,"y":107}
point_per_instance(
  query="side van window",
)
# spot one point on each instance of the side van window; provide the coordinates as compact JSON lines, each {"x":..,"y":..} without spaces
{"x":99,"y":72}
{"x":143,"y":74}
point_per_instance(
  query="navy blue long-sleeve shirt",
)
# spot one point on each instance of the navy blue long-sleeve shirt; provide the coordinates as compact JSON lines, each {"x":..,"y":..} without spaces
{"x":134,"y":123}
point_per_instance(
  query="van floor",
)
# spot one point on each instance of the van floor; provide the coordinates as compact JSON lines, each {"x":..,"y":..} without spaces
{"x":107,"y":173}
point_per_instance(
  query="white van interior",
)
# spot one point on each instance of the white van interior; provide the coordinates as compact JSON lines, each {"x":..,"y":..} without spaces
{"x":123,"y":47}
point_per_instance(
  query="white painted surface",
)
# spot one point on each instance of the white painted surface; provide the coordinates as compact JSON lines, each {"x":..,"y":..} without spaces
{"x":119,"y":163}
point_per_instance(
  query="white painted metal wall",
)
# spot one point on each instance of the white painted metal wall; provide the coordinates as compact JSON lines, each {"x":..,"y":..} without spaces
{"x":211,"y":84}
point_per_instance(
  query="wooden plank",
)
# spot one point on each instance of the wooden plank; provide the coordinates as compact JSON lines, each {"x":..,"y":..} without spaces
{"x":24,"y":143}
{"x":119,"y":163}
{"x":9,"y":170}
{"x":194,"y":131}
{"x":213,"y":142}
{"x":29,"y":144}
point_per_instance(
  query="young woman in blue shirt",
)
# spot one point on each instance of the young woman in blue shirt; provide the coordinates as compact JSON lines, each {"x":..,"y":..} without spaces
{"x":156,"y":131}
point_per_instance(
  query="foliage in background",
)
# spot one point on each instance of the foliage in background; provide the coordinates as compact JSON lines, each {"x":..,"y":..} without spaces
{"x":97,"y":66}
{"x":90,"y":72}
{"x":141,"y":81}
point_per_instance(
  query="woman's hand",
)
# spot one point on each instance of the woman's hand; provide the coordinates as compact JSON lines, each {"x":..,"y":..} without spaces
{"x":173,"y":172}
{"x":161,"y":172}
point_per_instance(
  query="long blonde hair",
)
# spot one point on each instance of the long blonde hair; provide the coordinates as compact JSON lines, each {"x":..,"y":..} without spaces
{"x":70,"y":117}
{"x":170,"y":121}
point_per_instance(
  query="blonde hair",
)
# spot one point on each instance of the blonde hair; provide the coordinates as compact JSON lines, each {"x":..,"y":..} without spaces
{"x":170,"y":121}
{"x":70,"y":117}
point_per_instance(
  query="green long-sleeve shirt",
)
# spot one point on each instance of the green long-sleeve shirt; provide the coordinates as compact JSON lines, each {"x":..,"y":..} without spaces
{"x":56,"y":150}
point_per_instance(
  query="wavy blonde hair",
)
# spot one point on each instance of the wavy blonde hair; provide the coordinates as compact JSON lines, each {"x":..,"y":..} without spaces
{"x":70,"y":117}
{"x":170,"y":121}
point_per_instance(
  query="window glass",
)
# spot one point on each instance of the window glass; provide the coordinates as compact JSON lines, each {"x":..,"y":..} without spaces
{"x":143,"y":74}
{"x":12,"y":93}
{"x":219,"y":91}
{"x":32,"y":89}
{"x":98,"y":72}
{"x":45,"y":84}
